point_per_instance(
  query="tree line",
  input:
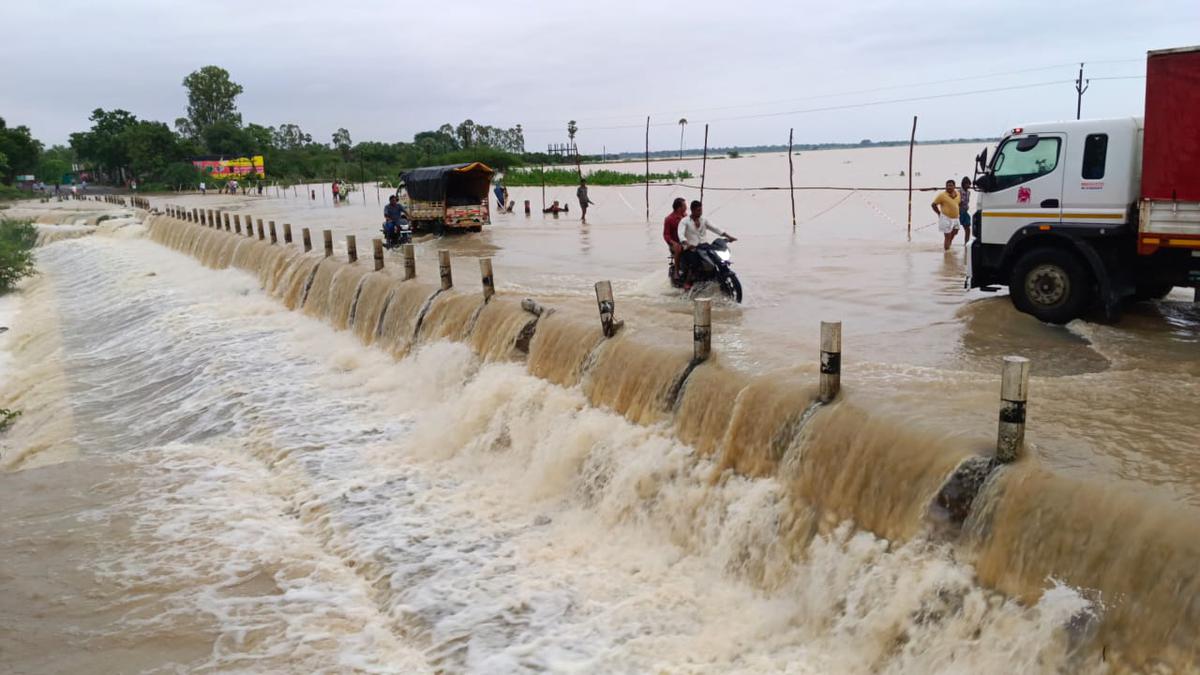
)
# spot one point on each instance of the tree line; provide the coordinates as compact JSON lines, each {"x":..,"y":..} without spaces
{"x":119,"y":147}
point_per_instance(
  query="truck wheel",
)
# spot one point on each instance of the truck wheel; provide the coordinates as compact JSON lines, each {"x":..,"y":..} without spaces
{"x":1051,"y":284}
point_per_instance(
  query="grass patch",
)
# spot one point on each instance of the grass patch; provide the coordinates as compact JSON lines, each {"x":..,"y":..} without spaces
{"x":532,"y":177}
{"x":17,"y":239}
{"x":7,"y":417}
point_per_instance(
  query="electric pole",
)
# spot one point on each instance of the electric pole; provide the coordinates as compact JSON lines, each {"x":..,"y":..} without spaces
{"x":1081,"y":85}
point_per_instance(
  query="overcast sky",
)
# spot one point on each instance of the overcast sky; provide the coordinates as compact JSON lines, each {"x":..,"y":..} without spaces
{"x":386,"y":69}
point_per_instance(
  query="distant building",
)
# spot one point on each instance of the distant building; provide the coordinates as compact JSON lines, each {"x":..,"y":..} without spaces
{"x":221,"y":166}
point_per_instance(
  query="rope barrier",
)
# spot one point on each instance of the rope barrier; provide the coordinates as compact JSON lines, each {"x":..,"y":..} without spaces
{"x":832,"y":188}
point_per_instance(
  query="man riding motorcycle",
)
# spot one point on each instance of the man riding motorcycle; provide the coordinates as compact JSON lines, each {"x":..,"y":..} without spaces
{"x":695,"y":234}
{"x":396,"y":228}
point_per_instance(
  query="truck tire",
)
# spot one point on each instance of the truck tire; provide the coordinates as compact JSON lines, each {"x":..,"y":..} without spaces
{"x":1051,"y":284}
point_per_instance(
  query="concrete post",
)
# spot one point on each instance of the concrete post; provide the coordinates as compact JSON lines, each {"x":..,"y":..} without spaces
{"x":1014,"y":389}
{"x":701,"y":330}
{"x":328,"y":236}
{"x":377,"y":253}
{"x":307,"y":239}
{"x":351,"y":248}
{"x":225,"y":217}
{"x":410,"y":262}
{"x":287,"y":233}
{"x":527,"y":209}
{"x":271,"y":227}
{"x":831,"y":360}
{"x":261,"y":235}
{"x":444,"y":269}
{"x":485,"y":274}
{"x":607,"y":307}
{"x":237,"y":223}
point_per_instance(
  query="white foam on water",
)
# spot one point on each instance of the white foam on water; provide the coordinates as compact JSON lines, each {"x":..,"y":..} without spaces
{"x":320,"y":507}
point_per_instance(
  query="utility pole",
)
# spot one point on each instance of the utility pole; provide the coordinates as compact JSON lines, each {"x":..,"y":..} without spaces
{"x":1081,"y":85}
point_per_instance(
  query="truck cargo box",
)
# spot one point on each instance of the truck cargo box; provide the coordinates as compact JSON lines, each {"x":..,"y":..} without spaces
{"x":1171,"y":151}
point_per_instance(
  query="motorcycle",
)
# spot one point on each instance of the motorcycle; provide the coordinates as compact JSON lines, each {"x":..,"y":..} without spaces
{"x":713,"y":265}
{"x":397,"y":236}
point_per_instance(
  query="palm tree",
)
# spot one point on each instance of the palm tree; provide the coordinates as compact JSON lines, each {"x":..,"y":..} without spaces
{"x":682,"y":126}
{"x":571,"y":129}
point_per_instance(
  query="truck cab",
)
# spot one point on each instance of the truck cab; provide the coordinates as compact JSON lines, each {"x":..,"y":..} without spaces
{"x":1055,"y":198}
{"x":1082,"y":215}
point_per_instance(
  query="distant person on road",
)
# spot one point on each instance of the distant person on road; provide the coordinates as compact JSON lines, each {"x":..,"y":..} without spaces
{"x":671,"y":231}
{"x":964,"y":209}
{"x":582,"y":194}
{"x":337,"y":188}
{"x":945,"y":205}
{"x":203,"y":188}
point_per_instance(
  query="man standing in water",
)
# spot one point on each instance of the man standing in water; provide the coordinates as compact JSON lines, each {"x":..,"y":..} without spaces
{"x":945,"y":205}
{"x":582,"y":194}
{"x":336,"y":189}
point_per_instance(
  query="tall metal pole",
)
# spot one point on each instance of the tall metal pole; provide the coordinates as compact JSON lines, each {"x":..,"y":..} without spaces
{"x":911,"y":141}
{"x":1081,"y":86}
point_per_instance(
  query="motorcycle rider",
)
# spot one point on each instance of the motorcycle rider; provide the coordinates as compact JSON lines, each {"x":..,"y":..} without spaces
{"x":671,"y":232}
{"x":394,"y":216}
{"x":695,"y":233}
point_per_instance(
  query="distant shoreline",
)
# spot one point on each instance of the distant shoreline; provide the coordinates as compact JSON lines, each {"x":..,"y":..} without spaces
{"x":744,"y":151}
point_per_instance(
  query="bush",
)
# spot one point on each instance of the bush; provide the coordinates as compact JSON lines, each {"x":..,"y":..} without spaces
{"x":8,"y":193}
{"x":7,"y":417}
{"x":17,"y":239}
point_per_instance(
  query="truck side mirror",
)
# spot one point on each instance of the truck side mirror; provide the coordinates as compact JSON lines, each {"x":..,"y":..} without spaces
{"x":981,"y":161}
{"x":985,"y":183}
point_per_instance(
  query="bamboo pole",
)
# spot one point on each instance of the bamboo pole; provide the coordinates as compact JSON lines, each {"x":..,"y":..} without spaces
{"x":792,"y":178}
{"x":704,"y":163}
{"x":647,"y":168}
{"x":542,"y":171}
{"x":911,"y":141}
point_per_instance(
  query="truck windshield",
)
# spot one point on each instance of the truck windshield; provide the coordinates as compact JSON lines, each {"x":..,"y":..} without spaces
{"x":1013,"y":166}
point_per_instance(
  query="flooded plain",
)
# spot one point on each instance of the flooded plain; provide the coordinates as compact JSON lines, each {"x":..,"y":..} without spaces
{"x":238,"y":486}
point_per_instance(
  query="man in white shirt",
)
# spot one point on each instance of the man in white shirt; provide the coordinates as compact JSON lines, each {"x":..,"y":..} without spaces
{"x":695,"y":232}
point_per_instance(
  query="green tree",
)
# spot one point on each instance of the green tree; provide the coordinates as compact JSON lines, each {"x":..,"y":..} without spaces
{"x":341,"y":141}
{"x":52,"y":170}
{"x":572,"y":128}
{"x":263,"y":137}
{"x":211,"y":99}
{"x":151,"y":146}
{"x":20,"y":149}
{"x":291,"y":137}
{"x":682,"y":125}
{"x":227,"y":138}
{"x":103,"y":145}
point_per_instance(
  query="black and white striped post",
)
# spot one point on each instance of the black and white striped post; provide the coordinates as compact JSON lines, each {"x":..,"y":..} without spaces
{"x":701,"y":330}
{"x":831,"y":360}
{"x":444,"y":269}
{"x":485,"y":274}
{"x":1014,"y":390}
{"x":607,"y":307}
{"x":410,"y":262}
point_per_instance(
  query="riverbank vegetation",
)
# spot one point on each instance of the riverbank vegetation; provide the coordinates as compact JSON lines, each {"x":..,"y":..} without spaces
{"x":533,"y":177}
{"x":17,"y":239}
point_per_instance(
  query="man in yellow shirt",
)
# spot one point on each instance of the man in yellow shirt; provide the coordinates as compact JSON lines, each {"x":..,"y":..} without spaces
{"x":945,"y":205}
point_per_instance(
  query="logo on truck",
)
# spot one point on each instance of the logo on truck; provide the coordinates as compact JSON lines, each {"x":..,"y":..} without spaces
{"x":1024,"y":195}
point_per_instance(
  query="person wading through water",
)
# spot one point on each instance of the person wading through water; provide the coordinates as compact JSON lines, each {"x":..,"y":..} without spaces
{"x":945,"y":205}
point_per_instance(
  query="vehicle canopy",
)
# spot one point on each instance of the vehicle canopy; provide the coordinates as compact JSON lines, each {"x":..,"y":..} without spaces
{"x":454,"y":184}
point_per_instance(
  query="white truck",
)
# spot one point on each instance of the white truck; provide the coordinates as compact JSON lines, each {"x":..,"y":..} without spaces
{"x":1083,"y":215}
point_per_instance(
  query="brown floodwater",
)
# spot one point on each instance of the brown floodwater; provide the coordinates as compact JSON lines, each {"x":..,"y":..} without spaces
{"x":269,"y":461}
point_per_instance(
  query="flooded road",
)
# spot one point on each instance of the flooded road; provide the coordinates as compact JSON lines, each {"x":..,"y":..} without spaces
{"x":255,"y":490}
